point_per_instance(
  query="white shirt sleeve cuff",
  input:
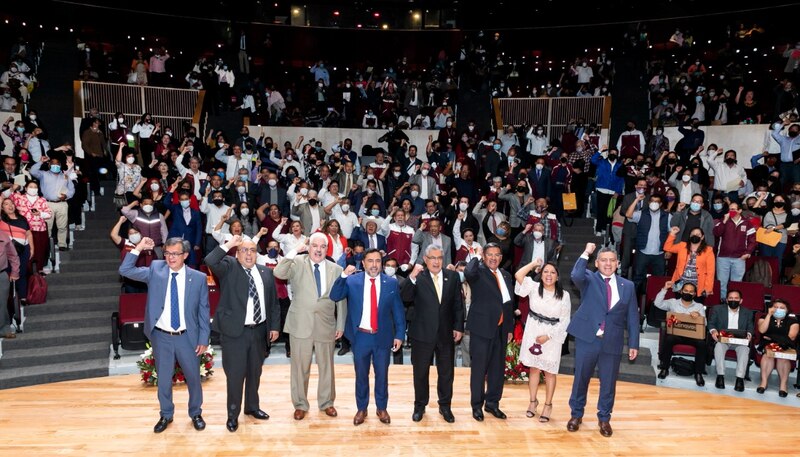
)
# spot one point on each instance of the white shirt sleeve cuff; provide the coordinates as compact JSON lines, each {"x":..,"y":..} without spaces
{"x":585,"y":256}
{"x":291,"y":254}
{"x":134,"y":251}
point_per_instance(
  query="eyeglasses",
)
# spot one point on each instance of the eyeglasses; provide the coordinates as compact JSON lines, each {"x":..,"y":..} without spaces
{"x":173,"y":254}
{"x":247,"y":250}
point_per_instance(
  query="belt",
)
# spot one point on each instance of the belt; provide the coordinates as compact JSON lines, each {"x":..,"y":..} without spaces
{"x":170,"y":332}
{"x":57,"y":201}
{"x":251,"y":326}
{"x":366,"y":330}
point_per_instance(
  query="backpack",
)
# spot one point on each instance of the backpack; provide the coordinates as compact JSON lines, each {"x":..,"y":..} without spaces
{"x":682,"y":367}
{"x":760,"y":273}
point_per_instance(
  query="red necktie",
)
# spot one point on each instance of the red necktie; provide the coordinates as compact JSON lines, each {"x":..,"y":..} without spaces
{"x":373,"y":306}
{"x":500,"y":322}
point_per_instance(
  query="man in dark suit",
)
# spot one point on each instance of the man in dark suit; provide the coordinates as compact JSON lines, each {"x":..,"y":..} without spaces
{"x":8,"y":173}
{"x":375,"y":326}
{"x":535,"y":245}
{"x":370,"y":237}
{"x":731,"y":316}
{"x":629,"y":227}
{"x":437,"y":326}
{"x":186,"y":224}
{"x":539,"y":178}
{"x":608,"y":308}
{"x":270,"y":192}
{"x":490,"y":324}
{"x":247,"y":316}
{"x":176,"y":321}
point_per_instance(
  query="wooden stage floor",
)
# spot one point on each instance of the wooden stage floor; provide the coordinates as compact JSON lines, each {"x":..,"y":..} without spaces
{"x":115,"y":416}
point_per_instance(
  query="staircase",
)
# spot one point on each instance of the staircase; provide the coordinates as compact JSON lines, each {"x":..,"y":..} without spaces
{"x":68,"y":337}
{"x":575,"y":239}
{"x":53,"y":98}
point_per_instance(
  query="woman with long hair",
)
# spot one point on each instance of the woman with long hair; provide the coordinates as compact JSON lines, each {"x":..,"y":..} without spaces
{"x":545,"y":330}
{"x":696,"y":263}
{"x":17,"y":227}
{"x":35,"y":210}
{"x":337,"y":243}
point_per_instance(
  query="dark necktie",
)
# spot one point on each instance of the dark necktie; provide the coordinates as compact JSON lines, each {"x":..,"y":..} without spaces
{"x":497,"y":278}
{"x":174,"y":307}
{"x":373,"y":302}
{"x":318,"y":280}
{"x":608,"y":300}
{"x":538,"y":174}
{"x":253,"y":293}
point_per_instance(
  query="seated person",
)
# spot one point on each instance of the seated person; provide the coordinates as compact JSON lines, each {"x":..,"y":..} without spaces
{"x":731,"y":317}
{"x":685,"y":304}
{"x":779,"y":328}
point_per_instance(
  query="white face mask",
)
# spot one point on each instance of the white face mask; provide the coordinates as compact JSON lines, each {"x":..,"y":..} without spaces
{"x":396,"y":174}
{"x":130,"y":160}
{"x":245,"y":211}
{"x":370,"y":191}
{"x":414,"y":194}
{"x":369,"y":177}
{"x":795,"y":211}
{"x":147,"y":208}
{"x":390,"y":270}
{"x":537,"y":235}
{"x":240,"y":189}
{"x":345,"y":208}
{"x":135,"y":238}
{"x":33,"y":191}
{"x":654,"y":206}
{"x":119,"y":121}
{"x":686,"y":178}
{"x":449,"y":124}
{"x":463,"y":206}
{"x":272,"y":182}
{"x":539,"y":166}
{"x":154,"y":187}
{"x":425,"y":172}
{"x":304,"y":191}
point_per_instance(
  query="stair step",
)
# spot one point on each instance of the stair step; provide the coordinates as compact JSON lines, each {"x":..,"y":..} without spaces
{"x":73,"y":277}
{"x":90,"y":266}
{"x":55,"y":321}
{"x":85,"y":290}
{"x":80,"y":335}
{"x":90,"y":254}
{"x":53,"y":373}
{"x":630,"y":372}
{"x":54,"y":355}
{"x":61,"y":305}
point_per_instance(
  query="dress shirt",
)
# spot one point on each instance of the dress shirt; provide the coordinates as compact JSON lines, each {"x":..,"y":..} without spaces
{"x":733,"y":319}
{"x":248,"y":317}
{"x":538,"y":251}
{"x":686,"y":192}
{"x":165,"y":321}
{"x":322,"y":276}
{"x":503,"y":287}
{"x":423,"y":188}
{"x":52,"y":184}
{"x":366,"y":311}
{"x":315,"y":219}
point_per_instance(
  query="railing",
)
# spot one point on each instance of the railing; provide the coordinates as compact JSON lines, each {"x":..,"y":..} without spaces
{"x":554,"y":113}
{"x":169,"y":106}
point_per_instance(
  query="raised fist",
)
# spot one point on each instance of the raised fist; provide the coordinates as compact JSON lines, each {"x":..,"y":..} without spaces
{"x":590,"y":247}
{"x":416,"y":271}
{"x":349,"y":270}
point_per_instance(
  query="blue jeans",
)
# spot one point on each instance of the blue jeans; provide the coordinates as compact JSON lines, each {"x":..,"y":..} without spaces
{"x":728,"y":269}
{"x":770,"y":251}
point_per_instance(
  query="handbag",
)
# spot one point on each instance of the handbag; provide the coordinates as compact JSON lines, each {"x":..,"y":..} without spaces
{"x":37,"y":287}
{"x":569,"y":201}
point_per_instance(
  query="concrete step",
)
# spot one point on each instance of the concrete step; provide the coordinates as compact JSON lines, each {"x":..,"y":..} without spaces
{"x":630,"y":372}
{"x":58,"y":306}
{"x":78,"y":318}
{"x":84,"y":290}
{"x":72,"y":277}
{"x":53,"y":373}
{"x":90,"y":253}
{"x":53,"y":355}
{"x":90,"y":265}
{"x":51,"y":338}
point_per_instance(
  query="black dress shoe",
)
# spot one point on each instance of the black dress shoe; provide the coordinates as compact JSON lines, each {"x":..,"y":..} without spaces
{"x":258,"y":414}
{"x":162,"y":424}
{"x":761,"y":389}
{"x":198,"y":422}
{"x":344,"y":350}
{"x":663,"y":373}
{"x":419,"y":411}
{"x":739,"y":387}
{"x":574,"y":424}
{"x":495,"y":412}
{"x":720,"y":384}
{"x":698,"y":378}
{"x":477,"y":414}
{"x":447,"y":414}
{"x":232,"y":425}
{"x":783,"y":393}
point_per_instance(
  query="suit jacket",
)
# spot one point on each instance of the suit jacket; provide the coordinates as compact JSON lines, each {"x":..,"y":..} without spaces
{"x":719,"y":319}
{"x":191,"y":232}
{"x":431,"y":317}
{"x":232,"y":309}
{"x":359,"y":234}
{"x":540,"y":187}
{"x":526,"y":240}
{"x":265,"y":195}
{"x":487,"y":306}
{"x":311,"y":316}
{"x":424,"y":239}
{"x":391,"y":314}
{"x":197,"y":312}
{"x":594,"y":311}
{"x":303,"y":211}
{"x":417,"y":179}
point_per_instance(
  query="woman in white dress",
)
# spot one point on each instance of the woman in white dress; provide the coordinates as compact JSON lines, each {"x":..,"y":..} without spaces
{"x":545,"y":330}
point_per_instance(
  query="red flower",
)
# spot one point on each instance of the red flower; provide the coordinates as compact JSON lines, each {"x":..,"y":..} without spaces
{"x":209,"y":365}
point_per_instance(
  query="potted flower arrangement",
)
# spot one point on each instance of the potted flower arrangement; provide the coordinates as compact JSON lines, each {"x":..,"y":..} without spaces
{"x":147,"y":367}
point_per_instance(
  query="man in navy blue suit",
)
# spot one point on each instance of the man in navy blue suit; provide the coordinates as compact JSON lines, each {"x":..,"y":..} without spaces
{"x":176,"y":321}
{"x":375,"y":326}
{"x":608,"y":307}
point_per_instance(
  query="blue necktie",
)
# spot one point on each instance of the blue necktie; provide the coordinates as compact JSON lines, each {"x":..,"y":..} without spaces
{"x":317,"y":280}
{"x":253,"y":293}
{"x":174,"y":308}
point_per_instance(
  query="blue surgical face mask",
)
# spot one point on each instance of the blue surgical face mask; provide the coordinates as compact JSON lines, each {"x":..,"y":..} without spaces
{"x":698,"y":98}
{"x":375,"y":212}
{"x":496,"y":147}
{"x":55,"y":168}
{"x":358,"y":257}
{"x":185,"y":203}
{"x":694,"y":206}
{"x":243,"y":177}
{"x":717,"y":206}
{"x":272,"y":253}
{"x":501,"y":232}
{"x":779,"y":313}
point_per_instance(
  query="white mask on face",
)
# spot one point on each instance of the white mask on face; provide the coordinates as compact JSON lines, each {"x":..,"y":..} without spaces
{"x":539,"y":166}
{"x":396,"y":174}
{"x":135,"y":238}
{"x":245,"y":211}
{"x":654,"y":206}
{"x":33,"y":191}
{"x":686,"y":178}
{"x":425,"y":172}
{"x":147,"y":208}
{"x":537,"y":235}
{"x":155,"y":187}
{"x":272,"y":182}
{"x":414,"y":194}
{"x":345,"y":207}
{"x":390,"y":270}
{"x":369,"y":177}
{"x":130,"y":160}
{"x":240,"y":189}
{"x":463,"y":206}
{"x":304,"y":191}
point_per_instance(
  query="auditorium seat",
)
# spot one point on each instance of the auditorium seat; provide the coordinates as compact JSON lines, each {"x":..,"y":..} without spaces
{"x":789,"y":293}
{"x":127,"y":324}
{"x":773,"y":265}
{"x":753,"y":294}
{"x":654,"y":315}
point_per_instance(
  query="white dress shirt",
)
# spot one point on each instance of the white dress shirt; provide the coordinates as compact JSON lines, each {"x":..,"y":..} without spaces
{"x":503,"y":287}
{"x":538,"y":251}
{"x":248,"y":317}
{"x":366,"y":311}
{"x":165,"y":321}
{"x":733,"y":319}
{"x":315,"y":219}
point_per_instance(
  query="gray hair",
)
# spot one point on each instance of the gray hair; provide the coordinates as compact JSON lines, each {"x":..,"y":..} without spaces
{"x":318,"y":235}
{"x":185,"y":246}
{"x":431,"y":248}
{"x":605,"y":249}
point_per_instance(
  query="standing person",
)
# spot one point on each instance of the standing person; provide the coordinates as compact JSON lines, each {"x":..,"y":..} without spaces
{"x":609,"y":186}
{"x":9,"y":260}
{"x":490,"y":324}
{"x":247,"y":317}
{"x":375,"y":326}
{"x":57,"y":188}
{"x":314,"y":321}
{"x":176,"y":321}
{"x":608,"y":307}
{"x":437,"y":326}
{"x":545,"y":329}
{"x":35,"y":210}
{"x":737,"y":242}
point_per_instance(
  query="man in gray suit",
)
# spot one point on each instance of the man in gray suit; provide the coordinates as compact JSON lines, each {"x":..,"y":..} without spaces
{"x":426,"y":182}
{"x":314,"y":321}
{"x":629,"y":228}
{"x":310,"y":212}
{"x":434,"y":235}
{"x":535,"y":245}
{"x":176,"y":321}
{"x":248,"y":315}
